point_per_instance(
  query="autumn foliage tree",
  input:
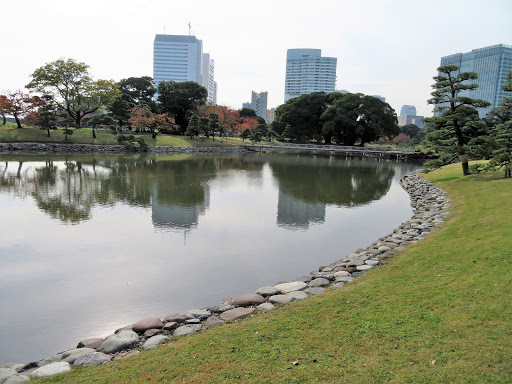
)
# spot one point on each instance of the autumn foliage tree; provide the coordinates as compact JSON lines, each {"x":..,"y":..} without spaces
{"x":18,"y":104}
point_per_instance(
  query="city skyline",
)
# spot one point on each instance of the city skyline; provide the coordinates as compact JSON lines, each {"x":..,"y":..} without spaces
{"x":381,"y":48}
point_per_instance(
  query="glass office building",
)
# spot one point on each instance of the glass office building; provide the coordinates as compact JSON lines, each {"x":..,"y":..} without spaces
{"x":177,"y":58}
{"x":307,"y":71}
{"x":492,"y":64}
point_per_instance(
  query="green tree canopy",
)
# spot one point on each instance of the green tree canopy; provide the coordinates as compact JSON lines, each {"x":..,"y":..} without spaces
{"x":181,"y":100}
{"x":303,"y":115}
{"x":72,"y":88}
{"x":354,"y":117}
{"x":454,"y":130}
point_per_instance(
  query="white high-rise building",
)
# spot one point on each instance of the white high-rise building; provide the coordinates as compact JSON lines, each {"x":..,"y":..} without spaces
{"x":259,"y":103}
{"x":307,"y":71}
{"x":207,"y":77}
{"x":180,"y":58}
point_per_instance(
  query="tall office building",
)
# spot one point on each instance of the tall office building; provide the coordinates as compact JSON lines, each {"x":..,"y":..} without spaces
{"x":259,"y":103}
{"x":207,"y":77}
{"x":180,"y":58}
{"x":408,"y":110}
{"x":307,"y":71}
{"x":492,"y":64}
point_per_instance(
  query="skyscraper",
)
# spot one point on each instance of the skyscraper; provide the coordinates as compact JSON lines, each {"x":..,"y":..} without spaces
{"x":259,"y":103}
{"x":408,"y":110}
{"x":307,"y":71}
{"x":207,"y":77}
{"x":180,"y":58}
{"x":492,"y":64}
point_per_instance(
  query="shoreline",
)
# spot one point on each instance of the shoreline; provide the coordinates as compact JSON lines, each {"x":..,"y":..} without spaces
{"x":430,"y":207}
{"x":43,"y":148}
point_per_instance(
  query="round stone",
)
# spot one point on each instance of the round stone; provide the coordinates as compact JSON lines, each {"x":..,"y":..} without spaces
{"x":280,"y":299}
{"x":187,"y":329}
{"x":364,"y":267}
{"x":321,"y":282}
{"x":248,"y":299}
{"x":95,"y":358}
{"x":291,"y":287}
{"x":236,"y":313}
{"x":121,"y":341}
{"x":143,"y":325}
{"x":297,"y":295}
{"x":315,"y":291}
{"x":265,"y":307}
{"x":267,"y":291}
{"x":154,"y":341}
{"x":51,"y":369}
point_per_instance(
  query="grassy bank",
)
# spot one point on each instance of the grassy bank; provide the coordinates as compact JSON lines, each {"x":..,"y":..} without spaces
{"x":11,"y":134}
{"x":437,"y":313}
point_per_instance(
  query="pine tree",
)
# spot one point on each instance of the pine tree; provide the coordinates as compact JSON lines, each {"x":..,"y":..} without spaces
{"x":451,"y":133}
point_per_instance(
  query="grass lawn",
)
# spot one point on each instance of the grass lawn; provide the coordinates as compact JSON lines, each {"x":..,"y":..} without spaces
{"x":11,"y":134}
{"x":440,"y":312}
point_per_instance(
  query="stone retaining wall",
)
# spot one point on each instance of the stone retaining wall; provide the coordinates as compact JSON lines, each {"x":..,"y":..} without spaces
{"x":92,"y":148}
{"x":430,"y":210}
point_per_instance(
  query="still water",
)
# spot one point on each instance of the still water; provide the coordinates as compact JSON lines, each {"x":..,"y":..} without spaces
{"x":92,"y":243}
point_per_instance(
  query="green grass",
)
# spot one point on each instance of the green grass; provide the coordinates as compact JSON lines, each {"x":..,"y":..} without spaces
{"x":11,"y":134}
{"x":437,"y":313}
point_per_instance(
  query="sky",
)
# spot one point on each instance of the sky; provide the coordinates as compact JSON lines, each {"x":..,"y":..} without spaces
{"x":384,"y":47}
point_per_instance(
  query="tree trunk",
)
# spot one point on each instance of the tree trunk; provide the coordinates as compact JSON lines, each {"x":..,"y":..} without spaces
{"x":93,"y":133}
{"x":5,"y":120}
{"x":465,"y":164}
{"x":48,"y":130}
{"x":17,"y":120}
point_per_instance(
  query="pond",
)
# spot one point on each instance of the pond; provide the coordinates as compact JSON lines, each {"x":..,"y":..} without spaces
{"x":91,"y":243}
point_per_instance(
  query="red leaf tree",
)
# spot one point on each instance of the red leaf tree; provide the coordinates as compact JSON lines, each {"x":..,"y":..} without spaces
{"x":18,"y":104}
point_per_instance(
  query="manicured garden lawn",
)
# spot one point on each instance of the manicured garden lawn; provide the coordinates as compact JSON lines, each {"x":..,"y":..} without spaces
{"x":11,"y":134}
{"x":439,"y":312}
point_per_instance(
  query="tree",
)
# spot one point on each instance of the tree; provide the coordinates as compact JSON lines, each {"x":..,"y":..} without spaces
{"x":139,"y":90}
{"x":134,"y":91}
{"x":3,"y":108}
{"x":354,"y":117}
{"x":214,"y":124}
{"x":18,"y":104}
{"x":502,"y":157}
{"x":66,"y":121}
{"x":246,"y":134}
{"x":163,"y":123}
{"x":193,"y":128}
{"x":451,"y":132}
{"x":303,"y":115}
{"x":47,"y":115}
{"x":499,"y":121}
{"x":228,"y":118}
{"x":181,"y":100}
{"x":99,"y":119}
{"x":247,"y":112}
{"x":72,"y":88}
{"x":410,"y":130}
{"x":204,"y":126}
{"x":142,"y":119}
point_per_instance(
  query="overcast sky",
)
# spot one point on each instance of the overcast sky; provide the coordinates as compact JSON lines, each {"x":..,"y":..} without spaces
{"x":384,"y":47}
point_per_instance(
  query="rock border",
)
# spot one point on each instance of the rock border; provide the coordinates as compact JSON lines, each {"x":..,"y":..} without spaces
{"x":430,"y":209}
{"x":102,"y":149}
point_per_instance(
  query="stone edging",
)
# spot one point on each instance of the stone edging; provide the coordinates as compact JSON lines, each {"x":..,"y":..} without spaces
{"x":93,"y":148}
{"x":430,"y":207}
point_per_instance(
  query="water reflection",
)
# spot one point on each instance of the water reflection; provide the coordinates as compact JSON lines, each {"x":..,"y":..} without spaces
{"x":92,"y":243}
{"x":177,"y":189}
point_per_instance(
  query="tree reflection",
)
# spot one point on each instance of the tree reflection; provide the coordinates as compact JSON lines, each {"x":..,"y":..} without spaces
{"x":307,"y":184}
{"x":177,"y":188}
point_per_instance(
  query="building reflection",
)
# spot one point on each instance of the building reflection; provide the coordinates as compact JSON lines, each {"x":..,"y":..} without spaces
{"x":177,"y":189}
{"x":296,"y":214}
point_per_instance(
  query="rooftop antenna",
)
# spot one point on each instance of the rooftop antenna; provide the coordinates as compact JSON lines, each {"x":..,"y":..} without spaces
{"x":189,"y":26}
